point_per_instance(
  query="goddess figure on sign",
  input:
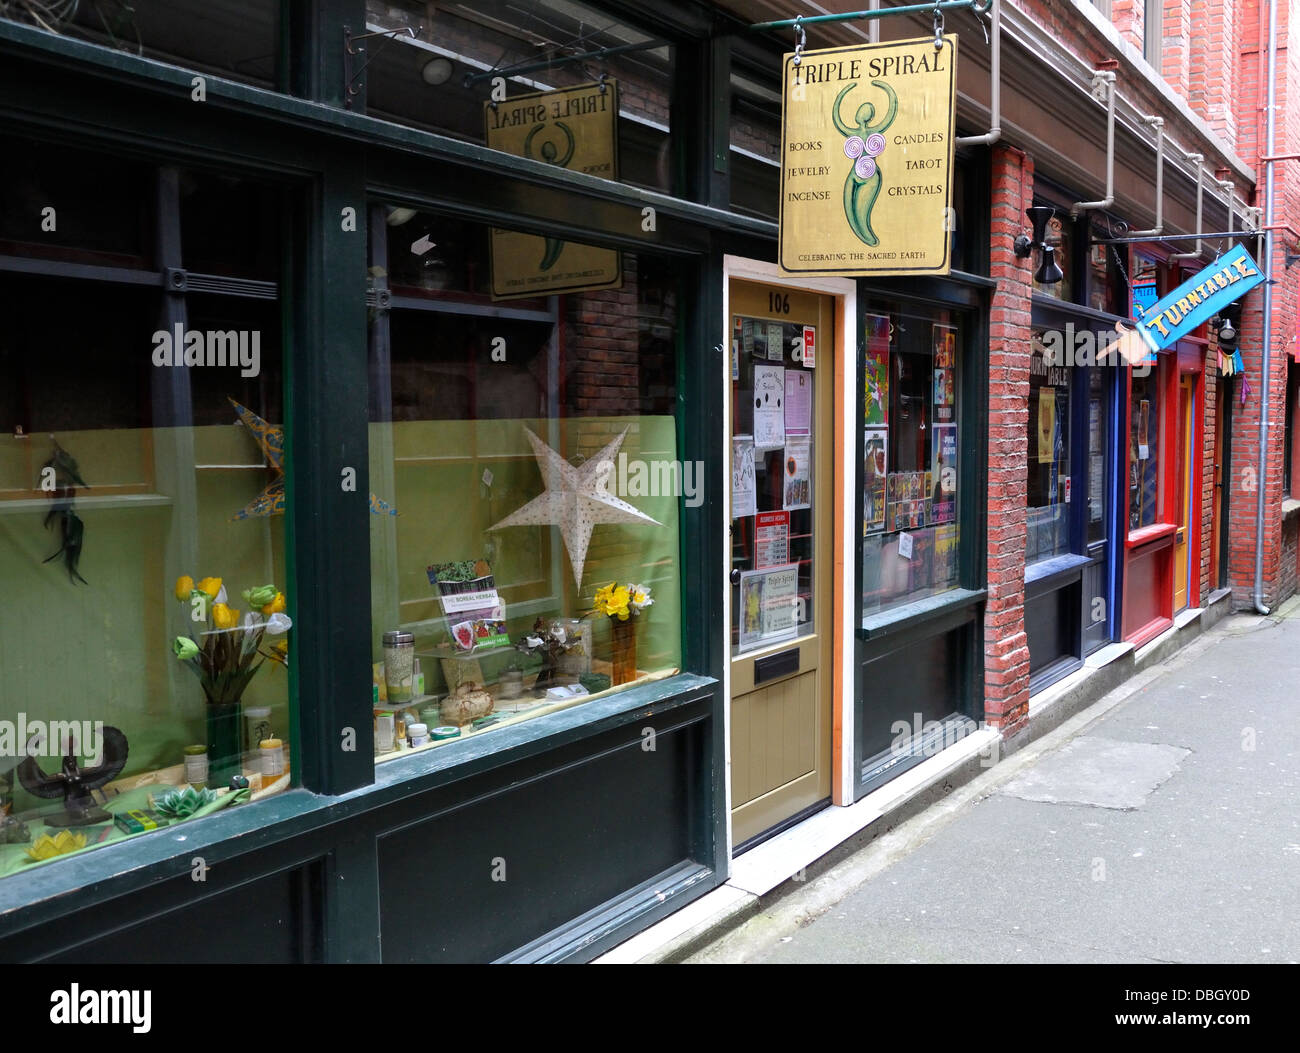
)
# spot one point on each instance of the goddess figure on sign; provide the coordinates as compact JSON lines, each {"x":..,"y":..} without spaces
{"x":862,"y":145}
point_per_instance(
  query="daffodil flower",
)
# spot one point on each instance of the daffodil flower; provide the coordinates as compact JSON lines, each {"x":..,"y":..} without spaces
{"x":224,"y":617}
{"x":274,"y":606}
{"x":212,"y":588}
{"x":184,"y":586}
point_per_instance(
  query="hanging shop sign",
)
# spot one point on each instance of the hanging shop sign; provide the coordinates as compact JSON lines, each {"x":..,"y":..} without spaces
{"x":1199,"y":298}
{"x":574,"y":128}
{"x":866,"y":159}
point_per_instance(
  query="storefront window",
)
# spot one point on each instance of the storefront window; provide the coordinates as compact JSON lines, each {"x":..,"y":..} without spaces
{"x":1144,"y":451}
{"x":525,"y":480}
{"x":911,"y":420}
{"x":1047,"y":521}
{"x":442,"y":81}
{"x":145,"y":632}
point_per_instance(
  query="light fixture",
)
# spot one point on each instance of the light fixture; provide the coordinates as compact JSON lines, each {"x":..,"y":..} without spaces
{"x":437,"y":71}
{"x":398,"y":216}
{"x":1229,"y":325}
{"x":1049,"y":271}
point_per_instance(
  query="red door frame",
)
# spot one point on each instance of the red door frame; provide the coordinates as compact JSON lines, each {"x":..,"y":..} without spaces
{"x":1148,"y":608}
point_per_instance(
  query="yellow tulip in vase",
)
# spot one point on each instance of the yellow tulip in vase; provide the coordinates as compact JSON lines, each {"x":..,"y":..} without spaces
{"x":225,"y":657}
{"x":623,"y":605}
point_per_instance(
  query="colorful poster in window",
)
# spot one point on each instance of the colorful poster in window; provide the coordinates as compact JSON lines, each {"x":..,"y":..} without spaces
{"x":771,"y":539}
{"x":908,"y":497}
{"x":742,"y":476}
{"x":944,"y":342}
{"x":876,"y":370}
{"x":875,"y":468}
{"x":768,"y":605}
{"x":944,"y":497}
{"x":769,"y":407}
{"x":1046,"y":424}
{"x":798,"y":480}
{"x":574,"y":128}
{"x":747,"y":336}
{"x":945,"y":556}
{"x":798,"y":401}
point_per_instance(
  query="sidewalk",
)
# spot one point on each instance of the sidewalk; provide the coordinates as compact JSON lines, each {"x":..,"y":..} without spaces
{"x":1161,"y":824}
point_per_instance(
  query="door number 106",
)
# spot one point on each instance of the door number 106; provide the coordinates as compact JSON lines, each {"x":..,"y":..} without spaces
{"x":778,"y":303}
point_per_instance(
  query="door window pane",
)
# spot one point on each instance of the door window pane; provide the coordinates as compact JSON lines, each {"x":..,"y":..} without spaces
{"x":1098,"y":430}
{"x":773,"y":451}
{"x":912,"y":451}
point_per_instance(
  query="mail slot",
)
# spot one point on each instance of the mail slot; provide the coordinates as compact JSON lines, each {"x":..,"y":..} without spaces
{"x":775,"y":665}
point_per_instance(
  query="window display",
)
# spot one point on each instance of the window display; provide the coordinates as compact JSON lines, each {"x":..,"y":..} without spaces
{"x":142,"y":548}
{"x":530,"y":452}
{"x":911,"y":453}
{"x":1047,"y":524}
{"x":1144,"y":452}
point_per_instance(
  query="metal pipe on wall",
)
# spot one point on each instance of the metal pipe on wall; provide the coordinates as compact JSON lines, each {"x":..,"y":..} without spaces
{"x":1266,"y":358}
{"x":1200,"y":188}
{"x":1103,"y":81}
{"x":995,"y":92}
{"x":1159,"y":124}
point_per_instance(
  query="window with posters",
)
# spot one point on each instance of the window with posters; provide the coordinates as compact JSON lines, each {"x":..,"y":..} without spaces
{"x":1049,"y":493}
{"x":911,"y":454}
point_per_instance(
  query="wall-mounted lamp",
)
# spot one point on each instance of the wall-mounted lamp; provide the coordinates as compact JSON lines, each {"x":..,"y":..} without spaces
{"x":1049,"y":272}
{"x":437,"y":71}
{"x":1229,"y":325}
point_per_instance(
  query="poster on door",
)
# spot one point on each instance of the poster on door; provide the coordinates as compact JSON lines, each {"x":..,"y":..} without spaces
{"x":798,"y":402}
{"x":769,"y":605}
{"x":742,"y":476}
{"x":771,"y":539}
{"x":769,"y":407}
{"x":798,"y":478}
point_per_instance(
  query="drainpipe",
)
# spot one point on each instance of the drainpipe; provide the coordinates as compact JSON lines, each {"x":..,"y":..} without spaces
{"x":1200,"y":187}
{"x":1159,"y":124}
{"x":1266,"y":366}
{"x":1103,"y":84}
{"x":995,"y":91}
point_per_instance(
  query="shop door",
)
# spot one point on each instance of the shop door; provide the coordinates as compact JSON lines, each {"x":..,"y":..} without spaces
{"x":1186,"y":437}
{"x":1218,"y":544}
{"x":782,"y":537}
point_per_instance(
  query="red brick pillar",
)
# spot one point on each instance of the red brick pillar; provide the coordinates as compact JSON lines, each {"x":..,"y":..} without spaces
{"x":1176,"y":34}
{"x":1214,"y":81}
{"x":1128,"y":18}
{"x":1006,"y":649}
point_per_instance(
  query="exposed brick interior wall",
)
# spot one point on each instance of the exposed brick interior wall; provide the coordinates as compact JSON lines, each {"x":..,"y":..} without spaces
{"x":1006,"y":648}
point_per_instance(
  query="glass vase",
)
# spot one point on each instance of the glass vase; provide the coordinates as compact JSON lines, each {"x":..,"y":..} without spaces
{"x":225,"y":743}
{"x":623,"y":636}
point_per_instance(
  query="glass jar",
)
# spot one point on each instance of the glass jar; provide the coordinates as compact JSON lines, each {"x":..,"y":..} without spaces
{"x":399,"y":664}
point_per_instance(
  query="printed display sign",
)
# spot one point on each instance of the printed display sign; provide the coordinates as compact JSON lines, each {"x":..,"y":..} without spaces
{"x":768,"y":605}
{"x":573,"y":128}
{"x":866,"y":159}
{"x":1199,"y":298}
{"x":771,"y":539}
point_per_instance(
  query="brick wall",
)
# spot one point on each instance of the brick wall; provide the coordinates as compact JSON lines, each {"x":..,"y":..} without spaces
{"x":1129,"y":18}
{"x":1214,"y":73}
{"x":1006,"y":648}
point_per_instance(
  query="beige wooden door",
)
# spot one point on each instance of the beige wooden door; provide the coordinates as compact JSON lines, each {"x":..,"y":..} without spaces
{"x":782,"y":538}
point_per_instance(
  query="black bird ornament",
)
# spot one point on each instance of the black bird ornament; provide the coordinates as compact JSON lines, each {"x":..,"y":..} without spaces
{"x":76,"y":784}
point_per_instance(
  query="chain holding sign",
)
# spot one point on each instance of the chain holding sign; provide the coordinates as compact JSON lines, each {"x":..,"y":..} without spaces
{"x":866,"y":158}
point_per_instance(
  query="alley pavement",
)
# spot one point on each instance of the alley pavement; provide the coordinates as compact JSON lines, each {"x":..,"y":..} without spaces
{"x":1167,"y":829}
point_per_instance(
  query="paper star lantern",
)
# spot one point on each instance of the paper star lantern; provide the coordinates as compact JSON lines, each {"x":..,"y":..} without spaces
{"x":270,"y":502}
{"x":575,"y":500}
